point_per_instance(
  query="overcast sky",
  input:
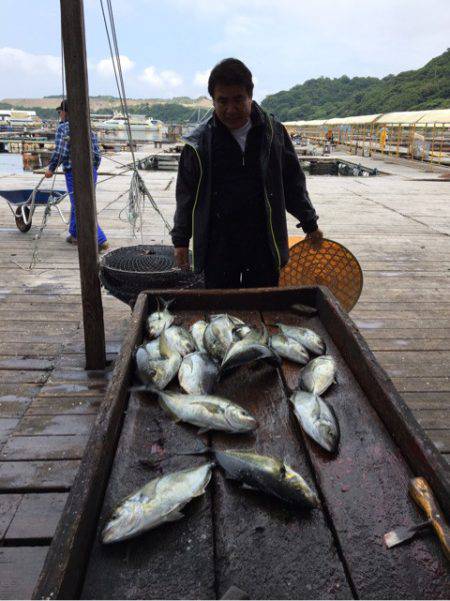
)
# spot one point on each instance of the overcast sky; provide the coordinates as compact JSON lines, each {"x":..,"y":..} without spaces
{"x":169,"y":46}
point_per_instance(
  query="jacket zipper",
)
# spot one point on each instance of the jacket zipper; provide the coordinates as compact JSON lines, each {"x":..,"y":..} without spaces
{"x":270,"y":208}
{"x":195,"y":202}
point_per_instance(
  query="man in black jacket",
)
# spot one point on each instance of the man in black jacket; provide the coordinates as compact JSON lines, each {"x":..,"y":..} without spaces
{"x":238,"y":174}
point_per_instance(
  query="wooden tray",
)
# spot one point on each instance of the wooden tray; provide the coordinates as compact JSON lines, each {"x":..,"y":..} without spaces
{"x":234,"y":537}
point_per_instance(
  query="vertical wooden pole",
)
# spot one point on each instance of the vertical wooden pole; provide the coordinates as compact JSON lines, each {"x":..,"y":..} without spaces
{"x":72,"y":25}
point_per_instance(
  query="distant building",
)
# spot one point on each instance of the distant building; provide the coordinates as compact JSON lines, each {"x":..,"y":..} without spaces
{"x":16,"y":117}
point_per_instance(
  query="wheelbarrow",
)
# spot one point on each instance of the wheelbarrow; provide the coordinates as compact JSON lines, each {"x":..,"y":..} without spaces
{"x":23,"y":203}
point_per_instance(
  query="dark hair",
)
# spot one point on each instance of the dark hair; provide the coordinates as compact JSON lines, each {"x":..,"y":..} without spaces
{"x":230,"y":72}
{"x":63,"y":106}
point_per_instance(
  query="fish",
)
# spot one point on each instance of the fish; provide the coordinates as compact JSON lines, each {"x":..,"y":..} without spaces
{"x":198,"y":373}
{"x":178,"y":339}
{"x":158,"y":372}
{"x":288,"y":348}
{"x":197,"y":331}
{"x":267,"y":474}
{"x":208,"y":412}
{"x":317,"y":419}
{"x":152,"y":349}
{"x":219,"y":335}
{"x":247,"y":351}
{"x":159,"y":501}
{"x":142,"y":359}
{"x":158,"y":320}
{"x":318,"y":375}
{"x":310,"y":340}
{"x":304,"y":309}
{"x":249,"y":334}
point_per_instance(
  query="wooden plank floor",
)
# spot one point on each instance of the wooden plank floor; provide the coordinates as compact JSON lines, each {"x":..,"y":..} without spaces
{"x":397,"y":225}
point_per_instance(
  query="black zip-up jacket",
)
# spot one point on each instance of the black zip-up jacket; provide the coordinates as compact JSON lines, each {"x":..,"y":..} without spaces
{"x":283,"y":183}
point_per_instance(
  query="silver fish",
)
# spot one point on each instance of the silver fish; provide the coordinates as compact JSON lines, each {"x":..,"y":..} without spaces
{"x":232,"y":318}
{"x":289,"y":348}
{"x":158,"y":372}
{"x":198,"y":373}
{"x":318,"y":375}
{"x":317,"y":419}
{"x":246,"y":351}
{"x":218,"y":336}
{"x":310,"y":340}
{"x":267,"y":474}
{"x":159,"y":320}
{"x":142,"y":359}
{"x":178,"y":339}
{"x":304,"y":309}
{"x":250,"y":334}
{"x":156,"y":503}
{"x":152,"y":349}
{"x":208,"y":412}
{"x":197,"y":330}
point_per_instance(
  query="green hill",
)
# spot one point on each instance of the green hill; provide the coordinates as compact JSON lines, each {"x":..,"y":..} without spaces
{"x":424,"y":88}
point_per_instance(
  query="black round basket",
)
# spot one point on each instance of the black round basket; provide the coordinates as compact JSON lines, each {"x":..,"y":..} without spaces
{"x":126,"y":271}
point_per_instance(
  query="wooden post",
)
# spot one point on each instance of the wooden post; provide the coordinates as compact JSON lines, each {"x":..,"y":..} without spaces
{"x":72,"y":25}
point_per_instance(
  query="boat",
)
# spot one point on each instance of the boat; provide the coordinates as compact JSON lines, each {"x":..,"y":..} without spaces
{"x":137,"y":123}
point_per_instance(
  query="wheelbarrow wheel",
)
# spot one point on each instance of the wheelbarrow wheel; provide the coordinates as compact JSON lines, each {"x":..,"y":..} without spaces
{"x":24,"y":225}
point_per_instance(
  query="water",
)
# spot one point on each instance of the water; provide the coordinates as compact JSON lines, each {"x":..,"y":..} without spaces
{"x":10,"y":164}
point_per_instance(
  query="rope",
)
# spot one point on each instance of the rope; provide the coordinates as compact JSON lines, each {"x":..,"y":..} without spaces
{"x":138,"y":189}
{"x":35,"y":256}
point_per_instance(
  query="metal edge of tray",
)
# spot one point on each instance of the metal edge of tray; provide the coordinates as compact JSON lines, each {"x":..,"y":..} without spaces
{"x":63,"y":572}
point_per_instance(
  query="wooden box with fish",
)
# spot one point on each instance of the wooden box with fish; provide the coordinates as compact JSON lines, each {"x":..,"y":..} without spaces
{"x":296,"y":490}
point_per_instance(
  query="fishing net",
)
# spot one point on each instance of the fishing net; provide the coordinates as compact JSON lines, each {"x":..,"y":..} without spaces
{"x":126,"y":271}
{"x":329,"y":264}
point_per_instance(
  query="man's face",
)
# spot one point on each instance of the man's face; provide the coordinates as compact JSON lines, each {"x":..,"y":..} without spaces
{"x":232,"y":105}
{"x":62,"y":116}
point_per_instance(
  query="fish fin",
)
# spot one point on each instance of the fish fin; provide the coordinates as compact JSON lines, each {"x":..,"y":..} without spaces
{"x":144,"y":388}
{"x":151,"y":390}
{"x":246,"y":486}
{"x":173,"y":516}
{"x":203,"y":430}
{"x":316,"y":411}
{"x":338,"y":428}
{"x":264,"y":334}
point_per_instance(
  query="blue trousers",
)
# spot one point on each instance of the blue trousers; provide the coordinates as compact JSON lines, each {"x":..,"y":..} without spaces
{"x":73,"y":224}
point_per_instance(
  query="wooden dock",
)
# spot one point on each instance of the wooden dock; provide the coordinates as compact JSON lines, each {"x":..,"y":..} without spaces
{"x":398,"y":226}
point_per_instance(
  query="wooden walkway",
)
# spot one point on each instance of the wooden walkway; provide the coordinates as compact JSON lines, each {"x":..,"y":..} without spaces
{"x":397,"y":225}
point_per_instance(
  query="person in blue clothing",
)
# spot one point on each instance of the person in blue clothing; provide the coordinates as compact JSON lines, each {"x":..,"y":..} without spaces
{"x":61,"y":156}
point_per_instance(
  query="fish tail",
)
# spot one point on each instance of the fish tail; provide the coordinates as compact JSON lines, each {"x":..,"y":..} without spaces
{"x":165,"y":406}
{"x":151,"y":390}
{"x":201,"y":449}
{"x":166,"y":303}
{"x":265,"y":333}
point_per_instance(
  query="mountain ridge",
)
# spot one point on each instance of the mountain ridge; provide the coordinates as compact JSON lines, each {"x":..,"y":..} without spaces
{"x":321,"y":98}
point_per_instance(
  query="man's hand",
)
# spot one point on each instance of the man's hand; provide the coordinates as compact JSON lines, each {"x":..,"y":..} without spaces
{"x":48,"y":174}
{"x":182,"y":258}
{"x":315,"y":237}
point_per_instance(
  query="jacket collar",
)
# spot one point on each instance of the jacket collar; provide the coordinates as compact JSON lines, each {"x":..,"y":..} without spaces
{"x":196,"y":138}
